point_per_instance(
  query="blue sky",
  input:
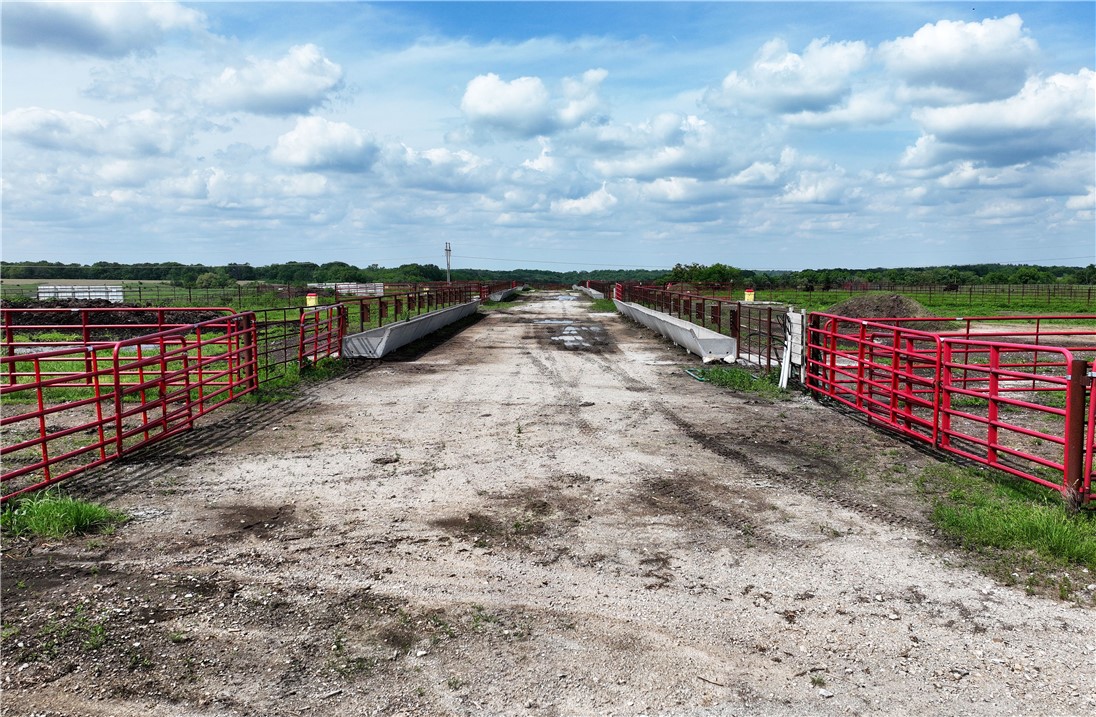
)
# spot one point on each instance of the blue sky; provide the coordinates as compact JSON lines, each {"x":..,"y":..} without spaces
{"x":556,"y":135}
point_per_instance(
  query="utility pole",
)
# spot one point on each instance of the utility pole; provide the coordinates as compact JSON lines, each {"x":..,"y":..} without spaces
{"x":448,"y":253}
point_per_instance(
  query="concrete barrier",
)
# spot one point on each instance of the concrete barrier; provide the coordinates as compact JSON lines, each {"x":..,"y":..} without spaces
{"x":375,"y":343}
{"x":589,"y":292}
{"x":705,"y":343}
{"x":504,"y":294}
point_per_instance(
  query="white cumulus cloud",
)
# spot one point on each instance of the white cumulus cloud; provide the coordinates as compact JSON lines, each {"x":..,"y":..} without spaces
{"x":862,"y":108}
{"x":1084,"y":201}
{"x":524,"y":107}
{"x":785,"y":82}
{"x":318,"y":143}
{"x":145,"y":133}
{"x":818,"y":188}
{"x":669,"y":145}
{"x":953,"y":61}
{"x":294,"y":84}
{"x":520,"y":106}
{"x":597,"y":202}
{"x":439,"y":169}
{"x":1047,"y":117}
{"x":104,"y":29}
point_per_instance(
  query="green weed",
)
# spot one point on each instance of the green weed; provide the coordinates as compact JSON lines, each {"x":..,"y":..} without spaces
{"x":49,"y":514}
{"x":736,"y":378}
{"x":603,"y":306}
{"x":482,"y":618}
{"x":990,"y":510}
{"x":96,"y":637}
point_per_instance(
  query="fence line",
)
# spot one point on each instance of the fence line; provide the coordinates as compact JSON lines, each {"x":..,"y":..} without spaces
{"x":1002,"y":396}
{"x":758,"y":328}
{"x":1017,"y":407}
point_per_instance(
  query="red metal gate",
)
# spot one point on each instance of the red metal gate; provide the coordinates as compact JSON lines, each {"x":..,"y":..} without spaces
{"x":321,"y":333}
{"x":73,"y":408}
{"x":1018,"y":407}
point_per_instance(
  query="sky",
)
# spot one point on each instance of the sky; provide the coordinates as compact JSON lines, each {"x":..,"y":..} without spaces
{"x":551,"y":135}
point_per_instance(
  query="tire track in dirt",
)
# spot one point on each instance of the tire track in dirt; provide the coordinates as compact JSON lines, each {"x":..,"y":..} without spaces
{"x":567,"y":395}
{"x":715,"y":444}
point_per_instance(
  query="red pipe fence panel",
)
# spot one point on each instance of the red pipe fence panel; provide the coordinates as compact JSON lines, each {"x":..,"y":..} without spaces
{"x":81,"y":387}
{"x":321,"y":333}
{"x":1016,"y":406}
{"x":74,"y":408}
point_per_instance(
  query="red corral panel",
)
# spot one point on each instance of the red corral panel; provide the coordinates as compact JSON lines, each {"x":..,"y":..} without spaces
{"x":321,"y":333}
{"x":1018,"y":406}
{"x":69,"y":409}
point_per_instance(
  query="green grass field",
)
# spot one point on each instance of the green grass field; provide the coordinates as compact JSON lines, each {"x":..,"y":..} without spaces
{"x":943,"y":303}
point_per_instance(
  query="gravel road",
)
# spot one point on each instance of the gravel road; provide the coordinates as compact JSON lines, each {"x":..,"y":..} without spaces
{"x":543,"y":515}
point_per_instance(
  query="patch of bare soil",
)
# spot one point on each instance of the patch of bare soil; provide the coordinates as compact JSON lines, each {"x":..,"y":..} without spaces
{"x":543,"y":515}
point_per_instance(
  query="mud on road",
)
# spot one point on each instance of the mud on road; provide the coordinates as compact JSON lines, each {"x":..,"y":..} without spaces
{"x":543,"y":515}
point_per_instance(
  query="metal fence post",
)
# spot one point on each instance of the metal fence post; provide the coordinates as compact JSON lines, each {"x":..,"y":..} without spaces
{"x":1074,"y":459}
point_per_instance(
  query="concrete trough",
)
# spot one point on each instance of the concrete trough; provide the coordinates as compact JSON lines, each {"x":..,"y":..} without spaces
{"x":705,"y":343}
{"x":375,"y":343}
{"x":589,"y":292}
{"x":504,"y":294}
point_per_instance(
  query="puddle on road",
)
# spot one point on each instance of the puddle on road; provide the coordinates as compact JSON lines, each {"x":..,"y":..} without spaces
{"x":572,"y":336}
{"x":566,"y":298}
{"x":554,"y":321}
{"x":572,"y":340}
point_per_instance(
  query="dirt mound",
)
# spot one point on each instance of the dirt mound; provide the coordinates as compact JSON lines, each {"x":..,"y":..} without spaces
{"x":116,"y":315}
{"x":879,"y":306}
{"x":888,"y":306}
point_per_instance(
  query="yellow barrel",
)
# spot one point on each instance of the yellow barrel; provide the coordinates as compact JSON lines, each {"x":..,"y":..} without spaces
{"x":312,"y":300}
{"x":749,"y":295}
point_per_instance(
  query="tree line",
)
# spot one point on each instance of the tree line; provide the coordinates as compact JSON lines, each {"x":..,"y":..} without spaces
{"x":299,"y":273}
{"x":964,"y":275}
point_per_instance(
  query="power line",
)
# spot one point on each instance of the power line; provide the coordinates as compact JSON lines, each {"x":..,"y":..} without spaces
{"x":562,"y":263}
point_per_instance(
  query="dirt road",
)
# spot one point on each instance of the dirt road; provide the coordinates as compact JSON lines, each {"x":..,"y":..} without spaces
{"x":542,"y":516}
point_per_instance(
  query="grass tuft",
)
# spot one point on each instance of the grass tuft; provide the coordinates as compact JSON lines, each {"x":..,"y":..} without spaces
{"x":50,"y":514}
{"x":991,"y":510}
{"x":603,"y":306}
{"x":736,"y":378}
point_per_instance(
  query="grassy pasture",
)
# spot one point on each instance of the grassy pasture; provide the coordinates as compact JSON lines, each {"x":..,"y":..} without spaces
{"x":942,"y":303}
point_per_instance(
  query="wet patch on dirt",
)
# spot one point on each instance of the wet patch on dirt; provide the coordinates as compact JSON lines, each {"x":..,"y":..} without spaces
{"x":571,"y":336}
{"x":239,"y":521}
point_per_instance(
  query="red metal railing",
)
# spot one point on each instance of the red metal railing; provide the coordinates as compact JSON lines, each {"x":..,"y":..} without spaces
{"x":375,"y":311}
{"x":37,"y":330}
{"x":117,"y":397}
{"x":1018,"y":407}
{"x":321,"y":333}
{"x":68,"y":408}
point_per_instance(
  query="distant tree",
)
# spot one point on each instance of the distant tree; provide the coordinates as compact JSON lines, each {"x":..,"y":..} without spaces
{"x":213,"y":280}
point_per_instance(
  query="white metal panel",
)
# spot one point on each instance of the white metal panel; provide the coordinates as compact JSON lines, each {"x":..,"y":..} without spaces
{"x":113,"y":294}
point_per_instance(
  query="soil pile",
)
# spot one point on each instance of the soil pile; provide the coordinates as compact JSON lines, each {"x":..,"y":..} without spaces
{"x":110,"y":322}
{"x":126,"y":317}
{"x":888,"y":306}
